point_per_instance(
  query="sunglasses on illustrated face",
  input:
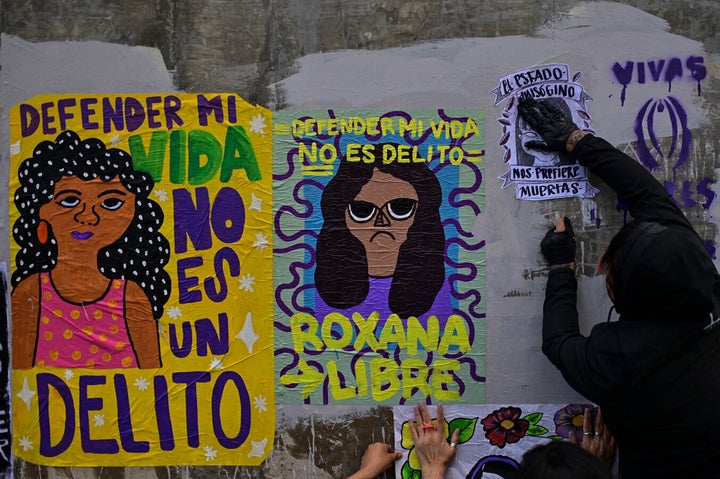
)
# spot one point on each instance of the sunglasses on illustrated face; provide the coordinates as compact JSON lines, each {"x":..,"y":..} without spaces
{"x":398,"y":209}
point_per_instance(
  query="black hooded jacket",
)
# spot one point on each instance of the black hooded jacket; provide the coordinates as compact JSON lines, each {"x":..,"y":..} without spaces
{"x":656,"y":372}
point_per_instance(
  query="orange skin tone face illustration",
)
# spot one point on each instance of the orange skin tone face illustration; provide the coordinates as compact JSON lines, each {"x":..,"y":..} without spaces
{"x":84,"y":217}
{"x":382,"y":223}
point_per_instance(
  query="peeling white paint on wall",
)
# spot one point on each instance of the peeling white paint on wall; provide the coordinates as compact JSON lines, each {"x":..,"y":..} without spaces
{"x":452,"y":74}
{"x":590,"y":38}
{"x":30,"y":69}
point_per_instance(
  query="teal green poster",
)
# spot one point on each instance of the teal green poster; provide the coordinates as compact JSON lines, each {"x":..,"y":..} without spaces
{"x":379,"y":273}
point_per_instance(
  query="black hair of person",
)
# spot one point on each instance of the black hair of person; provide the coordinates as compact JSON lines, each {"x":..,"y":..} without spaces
{"x":612,"y":254}
{"x":341,"y":274}
{"x":562,"y":460}
{"x":140,"y":254}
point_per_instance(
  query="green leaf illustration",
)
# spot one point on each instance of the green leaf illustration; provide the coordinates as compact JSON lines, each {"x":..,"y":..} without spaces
{"x":466,"y":428}
{"x":408,"y":472}
{"x":556,"y":437}
{"x":534,"y":418}
{"x":536,"y":430}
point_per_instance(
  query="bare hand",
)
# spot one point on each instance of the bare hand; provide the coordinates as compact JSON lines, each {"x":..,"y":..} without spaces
{"x":378,"y":458}
{"x":431,"y":446}
{"x":597,"y":439}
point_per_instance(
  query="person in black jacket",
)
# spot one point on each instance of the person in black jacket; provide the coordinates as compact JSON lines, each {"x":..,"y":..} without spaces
{"x":656,"y":372}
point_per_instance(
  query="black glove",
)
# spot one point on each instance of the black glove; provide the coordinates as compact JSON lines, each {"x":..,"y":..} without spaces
{"x":559,"y":247}
{"x":548,"y":121}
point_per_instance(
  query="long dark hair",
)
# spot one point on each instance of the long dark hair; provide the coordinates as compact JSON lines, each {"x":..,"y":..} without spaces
{"x":562,"y":460}
{"x":612,"y":254}
{"x":139,"y":255}
{"x":341,"y":274}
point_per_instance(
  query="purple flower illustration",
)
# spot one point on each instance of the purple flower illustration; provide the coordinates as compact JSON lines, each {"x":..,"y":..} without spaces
{"x":570,"y":420}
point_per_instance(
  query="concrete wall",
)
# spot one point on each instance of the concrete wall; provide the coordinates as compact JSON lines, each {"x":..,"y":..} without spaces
{"x":371,"y":54}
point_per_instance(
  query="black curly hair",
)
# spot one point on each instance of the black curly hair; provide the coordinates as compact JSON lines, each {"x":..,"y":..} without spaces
{"x":341,"y":275}
{"x":139,"y":255}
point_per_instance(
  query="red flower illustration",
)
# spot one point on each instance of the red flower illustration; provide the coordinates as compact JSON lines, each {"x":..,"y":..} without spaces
{"x":505,"y":426}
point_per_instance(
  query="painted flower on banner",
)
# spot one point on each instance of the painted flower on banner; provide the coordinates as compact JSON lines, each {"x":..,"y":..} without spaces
{"x":505,"y":426}
{"x":569,"y":420}
{"x":412,"y":469}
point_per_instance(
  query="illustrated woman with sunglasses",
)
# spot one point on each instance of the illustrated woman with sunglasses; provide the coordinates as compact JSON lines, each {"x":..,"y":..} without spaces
{"x":382,"y":239}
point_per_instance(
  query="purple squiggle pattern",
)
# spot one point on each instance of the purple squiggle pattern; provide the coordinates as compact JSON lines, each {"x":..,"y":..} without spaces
{"x":452,"y":198}
{"x":473,"y":369}
{"x":294,"y":267}
{"x":286,"y":209}
{"x":293,"y":361}
{"x":458,"y":278}
{"x":458,"y":227}
{"x":290,"y":166}
{"x":470,"y":325}
{"x":303,"y":209}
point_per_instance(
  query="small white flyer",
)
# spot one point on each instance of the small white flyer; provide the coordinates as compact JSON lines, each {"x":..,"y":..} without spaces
{"x":537,"y":174}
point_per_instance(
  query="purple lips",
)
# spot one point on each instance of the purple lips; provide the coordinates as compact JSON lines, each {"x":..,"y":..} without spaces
{"x":81,"y":236}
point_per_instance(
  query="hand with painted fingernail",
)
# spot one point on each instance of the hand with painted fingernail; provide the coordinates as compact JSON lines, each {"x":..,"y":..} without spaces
{"x":431,"y":446}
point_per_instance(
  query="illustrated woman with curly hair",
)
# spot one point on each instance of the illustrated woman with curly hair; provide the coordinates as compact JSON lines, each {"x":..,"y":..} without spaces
{"x":89,"y":283}
{"x":381,"y":230}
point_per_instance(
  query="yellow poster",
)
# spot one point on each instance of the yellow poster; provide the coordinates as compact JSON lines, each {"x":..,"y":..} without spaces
{"x":141,"y":246}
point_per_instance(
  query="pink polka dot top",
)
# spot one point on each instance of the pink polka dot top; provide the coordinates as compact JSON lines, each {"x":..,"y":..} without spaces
{"x":90,"y":335}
